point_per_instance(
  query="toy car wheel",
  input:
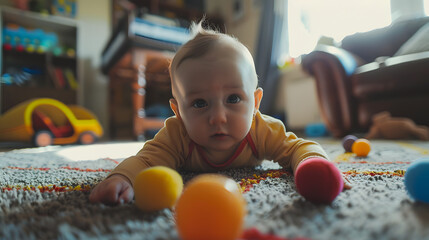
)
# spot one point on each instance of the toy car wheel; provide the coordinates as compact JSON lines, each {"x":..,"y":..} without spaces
{"x":87,"y":138}
{"x":43,"y":138}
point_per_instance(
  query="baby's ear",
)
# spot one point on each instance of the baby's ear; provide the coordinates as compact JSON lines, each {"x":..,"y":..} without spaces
{"x":175,"y":107}
{"x":258,"y":98}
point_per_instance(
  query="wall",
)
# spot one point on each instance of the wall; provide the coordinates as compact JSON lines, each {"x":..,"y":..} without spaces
{"x":401,"y":9}
{"x":244,"y":23}
{"x":94,"y":31}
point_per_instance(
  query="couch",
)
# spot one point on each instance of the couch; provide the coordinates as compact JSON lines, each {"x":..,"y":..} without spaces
{"x":386,"y":69}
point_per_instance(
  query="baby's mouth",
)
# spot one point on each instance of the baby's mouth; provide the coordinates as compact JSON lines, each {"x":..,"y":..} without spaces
{"x":219,"y":135}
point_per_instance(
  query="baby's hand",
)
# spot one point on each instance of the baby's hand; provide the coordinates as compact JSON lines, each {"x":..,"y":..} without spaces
{"x":347,"y":183}
{"x":112,"y":191}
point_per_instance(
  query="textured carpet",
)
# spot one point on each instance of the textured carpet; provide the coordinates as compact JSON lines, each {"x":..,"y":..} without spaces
{"x":44,"y":195}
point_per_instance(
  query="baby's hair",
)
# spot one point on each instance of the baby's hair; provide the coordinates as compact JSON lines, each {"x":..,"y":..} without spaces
{"x":202,"y":41}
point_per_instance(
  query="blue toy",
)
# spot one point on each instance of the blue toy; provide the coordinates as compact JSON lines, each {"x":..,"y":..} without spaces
{"x":417,"y":180}
{"x":30,"y":40}
{"x":316,"y":130}
{"x":12,"y":35}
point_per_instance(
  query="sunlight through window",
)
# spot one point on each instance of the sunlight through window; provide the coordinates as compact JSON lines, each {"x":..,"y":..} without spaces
{"x":426,"y":5}
{"x":310,"y":19}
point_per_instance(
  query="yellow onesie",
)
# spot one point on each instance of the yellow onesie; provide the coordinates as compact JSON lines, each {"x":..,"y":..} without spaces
{"x":267,"y":139}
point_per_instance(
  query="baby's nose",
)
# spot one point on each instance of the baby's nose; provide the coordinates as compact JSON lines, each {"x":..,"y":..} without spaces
{"x":217,"y":115}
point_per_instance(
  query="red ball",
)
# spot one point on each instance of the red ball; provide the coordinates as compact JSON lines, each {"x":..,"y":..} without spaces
{"x":318,"y":180}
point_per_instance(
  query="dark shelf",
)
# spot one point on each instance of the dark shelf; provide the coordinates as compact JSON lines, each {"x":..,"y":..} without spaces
{"x":35,"y":56}
{"x":40,"y":74}
{"x":13,"y":95}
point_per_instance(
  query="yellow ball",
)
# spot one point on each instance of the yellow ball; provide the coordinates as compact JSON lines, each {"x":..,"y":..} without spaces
{"x":211,"y":207}
{"x":157,"y":188}
{"x":361,"y":147}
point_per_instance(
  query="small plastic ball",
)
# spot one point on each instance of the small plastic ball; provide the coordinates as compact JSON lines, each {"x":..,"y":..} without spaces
{"x":417,"y":180}
{"x":210,"y":207}
{"x":318,"y":180}
{"x":361,"y":147}
{"x":348,"y":142}
{"x":157,"y":188}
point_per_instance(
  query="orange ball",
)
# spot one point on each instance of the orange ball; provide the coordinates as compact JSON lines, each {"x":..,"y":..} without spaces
{"x":361,"y":147}
{"x":210,"y":207}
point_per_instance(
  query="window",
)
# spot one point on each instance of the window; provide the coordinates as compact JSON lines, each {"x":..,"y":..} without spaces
{"x":308,"y":20}
{"x":426,"y":7}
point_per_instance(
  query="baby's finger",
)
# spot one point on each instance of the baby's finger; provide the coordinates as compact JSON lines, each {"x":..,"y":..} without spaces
{"x":94,"y":196}
{"x":126,"y":196}
{"x":347,"y":183}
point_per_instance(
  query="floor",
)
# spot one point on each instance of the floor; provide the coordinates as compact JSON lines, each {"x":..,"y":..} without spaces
{"x":9,"y":146}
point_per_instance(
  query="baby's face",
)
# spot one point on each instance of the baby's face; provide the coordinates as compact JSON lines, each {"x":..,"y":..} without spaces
{"x":215,"y":97}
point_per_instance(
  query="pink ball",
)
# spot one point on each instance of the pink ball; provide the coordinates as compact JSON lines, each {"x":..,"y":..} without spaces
{"x":318,"y":180}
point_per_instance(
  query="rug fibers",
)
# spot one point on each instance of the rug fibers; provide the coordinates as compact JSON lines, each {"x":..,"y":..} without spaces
{"x":45,"y":196}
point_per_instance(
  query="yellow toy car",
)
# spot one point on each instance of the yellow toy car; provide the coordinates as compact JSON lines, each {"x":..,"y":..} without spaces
{"x":46,"y":121}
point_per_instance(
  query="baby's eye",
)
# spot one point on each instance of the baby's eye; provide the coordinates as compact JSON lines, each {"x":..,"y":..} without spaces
{"x":199,"y":103}
{"x":234,"y":98}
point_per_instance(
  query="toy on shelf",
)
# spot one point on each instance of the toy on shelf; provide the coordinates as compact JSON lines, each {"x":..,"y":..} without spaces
{"x":22,"y":76}
{"x":210,"y":207}
{"x":417,"y":180}
{"x":13,"y":37}
{"x":46,"y":121}
{"x":388,"y":127}
{"x":21,"y":39}
{"x":157,"y":188}
{"x":21,"y":4}
{"x":66,"y":8}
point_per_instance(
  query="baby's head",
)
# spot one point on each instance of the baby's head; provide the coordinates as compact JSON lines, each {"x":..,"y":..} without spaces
{"x":215,"y":91}
{"x":207,"y":40}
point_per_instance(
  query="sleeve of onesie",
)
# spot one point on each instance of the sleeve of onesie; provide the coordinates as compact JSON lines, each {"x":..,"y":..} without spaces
{"x":283,"y":147}
{"x":166,"y":149}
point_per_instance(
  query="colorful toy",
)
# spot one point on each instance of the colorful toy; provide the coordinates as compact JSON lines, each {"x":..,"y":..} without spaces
{"x":388,"y":127}
{"x":361,"y":147}
{"x":18,"y":38}
{"x":316,"y":130}
{"x":157,"y":188}
{"x":46,"y":121}
{"x":210,"y":207}
{"x":417,"y":180}
{"x":66,"y":8}
{"x":348,"y":142}
{"x":318,"y":180}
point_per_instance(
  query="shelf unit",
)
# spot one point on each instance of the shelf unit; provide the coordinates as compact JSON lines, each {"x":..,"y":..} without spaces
{"x":49,"y":66}
{"x":135,"y":64}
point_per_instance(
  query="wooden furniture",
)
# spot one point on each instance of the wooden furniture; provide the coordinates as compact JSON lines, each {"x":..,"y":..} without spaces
{"x":138,"y":74}
{"x":138,"y":80}
{"x":46,"y":65}
{"x":366,"y":76}
{"x":137,"y":65}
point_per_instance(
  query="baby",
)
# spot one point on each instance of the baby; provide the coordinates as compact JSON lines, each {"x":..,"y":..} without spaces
{"x":217,"y":124}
